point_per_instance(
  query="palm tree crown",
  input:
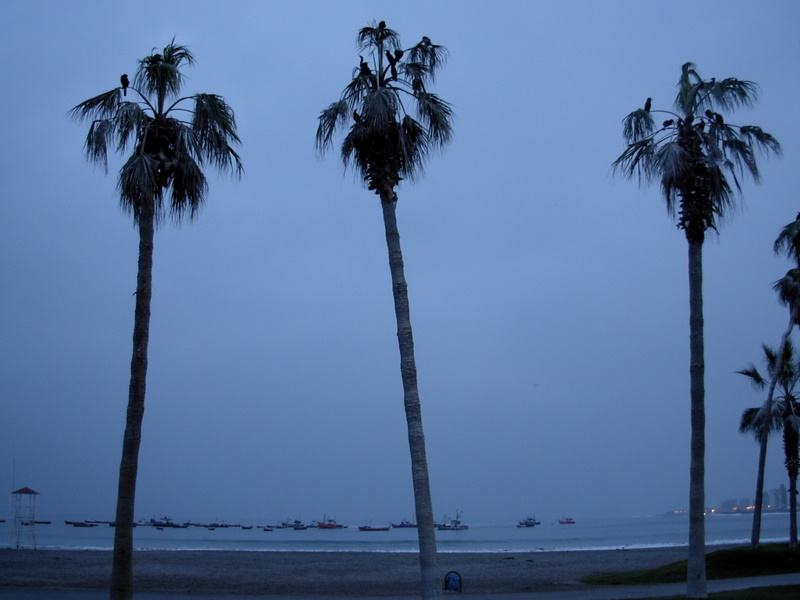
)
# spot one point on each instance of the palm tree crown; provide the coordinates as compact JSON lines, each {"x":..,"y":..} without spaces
{"x":781,"y":414}
{"x":168,"y":148}
{"x":694,"y":148}
{"x":764,"y":420}
{"x":385,"y":141}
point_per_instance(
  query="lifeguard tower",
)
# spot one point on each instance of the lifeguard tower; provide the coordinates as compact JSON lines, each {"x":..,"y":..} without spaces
{"x":25,"y":517}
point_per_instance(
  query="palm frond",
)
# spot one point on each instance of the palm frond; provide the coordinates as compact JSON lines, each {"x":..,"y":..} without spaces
{"x":689,"y":84}
{"x":788,"y":288}
{"x":437,"y":115}
{"x":756,"y":379}
{"x":430,"y":56}
{"x":730,"y":94}
{"x":130,"y":120}
{"x":330,"y":119}
{"x":374,"y":36}
{"x":760,"y":140}
{"x":413,"y":146}
{"x":379,"y":107}
{"x":788,"y":240}
{"x":638,"y":125}
{"x":189,"y":187}
{"x":214,"y":127}
{"x":160,"y":73}
{"x":755,"y":421}
{"x":762,"y":421}
{"x":102,"y":106}
{"x":723,"y":201}
{"x":638,"y":159}
{"x":138,"y":185}
{"x":740,"y":153}
{"x":96,"y":146}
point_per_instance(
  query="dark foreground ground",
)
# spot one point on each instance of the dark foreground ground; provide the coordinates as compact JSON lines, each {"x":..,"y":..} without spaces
{"x":319,"y":573}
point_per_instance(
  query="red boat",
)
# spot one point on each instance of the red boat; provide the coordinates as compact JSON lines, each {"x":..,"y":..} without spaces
{"x":329,"y":524}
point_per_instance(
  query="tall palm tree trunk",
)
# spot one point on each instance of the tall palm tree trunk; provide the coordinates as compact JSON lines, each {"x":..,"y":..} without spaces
{"x":122,"y":565}
{"x":755,"y":536}
{"x":791,"y":436}
{"x":429,"y":568}
{"x":696,"y":569}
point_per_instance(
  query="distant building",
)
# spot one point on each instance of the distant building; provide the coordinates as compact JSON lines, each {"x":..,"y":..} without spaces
{"x":780,"y":497}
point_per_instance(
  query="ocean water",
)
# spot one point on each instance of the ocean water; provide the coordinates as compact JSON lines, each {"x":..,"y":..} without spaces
{"x":585,"y":534}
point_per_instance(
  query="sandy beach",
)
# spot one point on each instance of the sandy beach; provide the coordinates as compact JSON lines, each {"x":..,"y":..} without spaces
{"x":319,"y":573}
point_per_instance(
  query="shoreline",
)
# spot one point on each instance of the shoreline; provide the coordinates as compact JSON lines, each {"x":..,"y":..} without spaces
{"x":315,"y":573}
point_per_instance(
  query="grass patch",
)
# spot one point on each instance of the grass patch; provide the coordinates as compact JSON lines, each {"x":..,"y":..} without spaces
{"x":784,"y":592}
{"x":771,"y":559}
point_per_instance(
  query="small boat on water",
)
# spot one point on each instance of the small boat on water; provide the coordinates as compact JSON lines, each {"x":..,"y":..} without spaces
{"x":404,"y":524}
{"x":452,"y":524}
{"x":567,"y":521}
{"x":529,"y":522}
{"x":80,"y":524}
{"x":327,"y":523}
{"x":371,"y":528}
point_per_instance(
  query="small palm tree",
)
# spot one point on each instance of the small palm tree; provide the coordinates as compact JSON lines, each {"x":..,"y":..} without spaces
{"x":780,"y":413}
{"x":692,"y":154}
{"x":170,"y":143}
{"x":386,"y":143}
{"x":788,"y":289}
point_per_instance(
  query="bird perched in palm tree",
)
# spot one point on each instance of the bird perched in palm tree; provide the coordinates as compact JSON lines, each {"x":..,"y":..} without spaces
{"x":392,"y":122}
{"x":693,"y":155}
{"x":125,"y":83}
{"x":171,"y":138}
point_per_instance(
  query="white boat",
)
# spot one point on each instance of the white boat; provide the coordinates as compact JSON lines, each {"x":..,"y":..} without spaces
{"x":452,"y":524}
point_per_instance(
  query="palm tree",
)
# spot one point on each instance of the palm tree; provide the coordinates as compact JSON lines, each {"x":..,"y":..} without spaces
{"x":692,"y":154}
{"x":385,"y":143}
{"x":788,"y":288}
{"x":779,"y":414}
{"x":170,"y":143}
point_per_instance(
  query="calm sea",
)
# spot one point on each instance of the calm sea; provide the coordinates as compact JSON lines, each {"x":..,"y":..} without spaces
{"x":585,"y":534}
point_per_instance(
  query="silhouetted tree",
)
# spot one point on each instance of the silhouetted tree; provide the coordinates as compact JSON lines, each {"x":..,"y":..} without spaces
{"x":692,"y":155}
{"x":386,"y":143}
{"x":788,"y":288}
{"x":779,"y":413}
{"x":170,"y":144}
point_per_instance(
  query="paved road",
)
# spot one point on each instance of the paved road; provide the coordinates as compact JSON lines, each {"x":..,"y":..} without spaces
{"x":597,"y":593}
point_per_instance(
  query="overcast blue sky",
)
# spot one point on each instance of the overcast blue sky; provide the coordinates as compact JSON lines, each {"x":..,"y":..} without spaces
{"x":548,"y":297}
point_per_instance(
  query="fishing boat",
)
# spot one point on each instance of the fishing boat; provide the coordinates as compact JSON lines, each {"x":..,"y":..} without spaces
{"x":371,"y":528}
{"x":452,"y":524}
{"x":327,"y":523}
{"x":529,"y":522}
{"x":567,"y":521}
{"x":404,"y":524}
{"x":80,"y":524}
